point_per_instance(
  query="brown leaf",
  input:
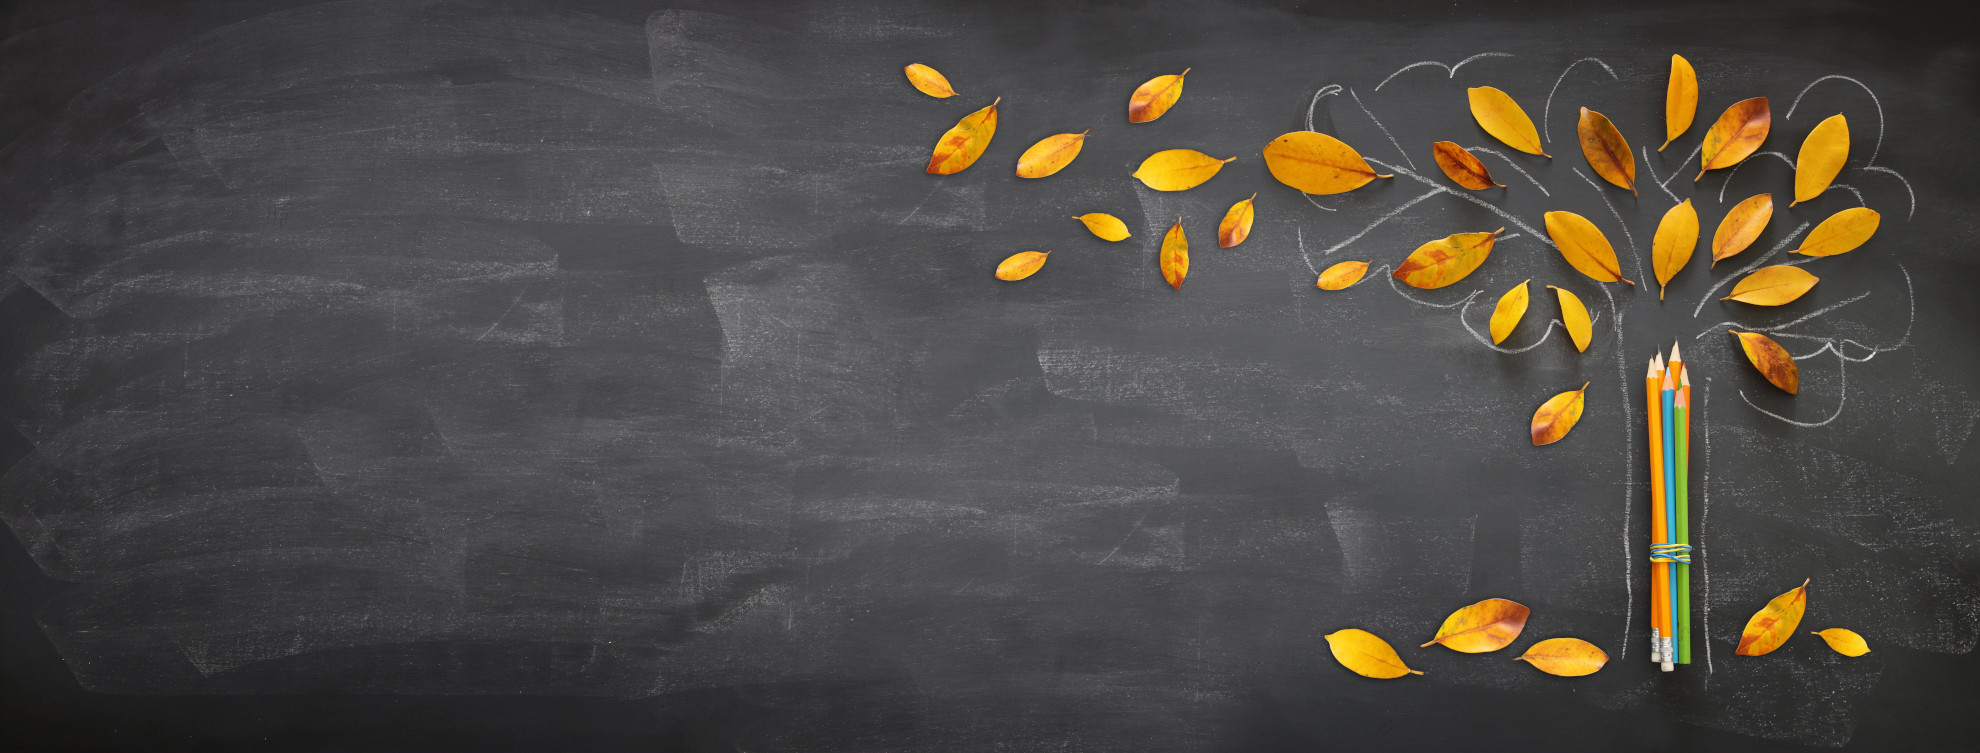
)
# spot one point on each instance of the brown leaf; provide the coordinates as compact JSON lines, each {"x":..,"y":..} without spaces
{"x":1050,"y":155}
{"x":1488,"y":625}
{"x":1237,"y":224}
{"x":1741,"y":226}
{"x":1342,"y":276}
{"x":1822,"y":156}
{"x":1736,"y":135}
{"x":1773,"y":286}
{"x":1178,"y":169}
{"x":1845,"y":641}
{"x":1104,"y":226}
{"x":1500,"y":116}
{"x":1841,"y":233}
{"x":1461,"y":167}
{"x":1367,"y":655}
{"x":1317,"y":163}
{"x":1774,"y":623}
{"x":1506,"y":315}
{"x":1575,"y":319}
{"x":1677,"y":237}
{"x":1446,"y":260}
{"x":1557,"y":416}
{"x":929,"y":81}
{"x":1175,"y":256}
{"x":1584,"y":246}
{"x":1565,"y":657}
{"x":959,"y":148}
{"x":1606,"y":149}
{"x":1680,"y":100}
{"x":1153,"y":99}
{"x":1021,"y":265}
{"x":1771,"y":360}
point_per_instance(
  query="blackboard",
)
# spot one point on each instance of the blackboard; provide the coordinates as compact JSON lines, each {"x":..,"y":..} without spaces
{"x":609,"y":375}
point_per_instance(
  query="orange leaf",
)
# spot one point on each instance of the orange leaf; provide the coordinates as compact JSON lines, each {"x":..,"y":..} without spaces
{"x":1736,"y":135}
{"x":1574,"y":317}
{"x":1488,"y":625}
{"x":1342,"y":276}
{"x":1151,"y":100}
{"x":1565,"y":657}
{"x":929,"y":81}
{"x":1175,"y":256}
{"x":1104,"y":226}
{"x":1677,"y":237}
{"x":1771,"y":359}
{"x":1178,"y":169}
{"x":1557,"y":416}
{"x":1500,"y":116}
{"x":1606,"y":149}
{"x":1050,"y":155}
{"x":1237,"y":223}
{"x":960,"y":147}
{"x":1367,"y":655}
{"x":1771,"y":626}
{"x":1822,"y":156}
{"x":1841,"y":233}
{"x":1506,"y":315}
{"x":1844,"y":641}
{"x":1680,"y":100}
{"x":1317,"y":163}
{"x":1584,"y":246}
{"x":1021,"y":265}
{"x":1446,"y":260}
{"x":1741,"y":226}
{"x":1773,"y":286}
{"x":1461,"y":167}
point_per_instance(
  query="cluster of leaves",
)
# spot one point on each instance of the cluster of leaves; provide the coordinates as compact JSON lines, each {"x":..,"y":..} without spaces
{"x":1775,"y":623}
{"x":1483,"y":627}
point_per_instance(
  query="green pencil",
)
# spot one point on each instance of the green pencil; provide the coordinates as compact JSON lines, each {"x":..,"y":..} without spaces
{"x":1683,"y":535}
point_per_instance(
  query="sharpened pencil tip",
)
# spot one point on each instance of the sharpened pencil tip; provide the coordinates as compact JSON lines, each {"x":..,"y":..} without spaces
{"x":1674,"y":352}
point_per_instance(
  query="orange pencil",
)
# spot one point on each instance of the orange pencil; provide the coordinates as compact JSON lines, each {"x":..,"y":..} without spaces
{"x":1659,"y":572}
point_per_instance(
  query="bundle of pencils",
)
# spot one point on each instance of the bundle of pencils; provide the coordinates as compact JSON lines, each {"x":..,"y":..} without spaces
{"x":1667,"y":388}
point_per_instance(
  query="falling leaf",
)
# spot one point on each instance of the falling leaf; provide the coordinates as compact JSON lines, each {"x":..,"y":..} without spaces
{"x":1841,"y":233}
{"x":1680,"y":100}
{"x":1343,"y":275}
{"x":1317,"y":163}
{"x":1606,"y":149}
{"x":1151,"y":100}
{"x":1557,"y":416}
{"x":1237,"y":224}
{"x":1106,"y":226}
{"x":1500,"y":116}
{"x":960,"y":147}
{"x":1773,"y":286}
{"x":1584,"y":246}
{"x":1050,"y":155}
{"x":1446,"y":260}
{"x":1461,"y":167}
{"x":1844,"y":641}
{"x":1565,"y":657}
{"x":1741,"y":226}
{"x":1822,"y":156}
{"x":1367,"y":655}
{"x":1175,"y":256}
{"x":1670,"y":249}
{"x":1021,"y":265}
{"x":930,"y":81}
{"x":1736,"y":135}
{"x":1574,"y":316}
{"x":1178,"y":169}
{"x":1507,"y":314}
{"x":1488,"y":625}
{"x":1771,"y":359}
{"x":1771,"y":626}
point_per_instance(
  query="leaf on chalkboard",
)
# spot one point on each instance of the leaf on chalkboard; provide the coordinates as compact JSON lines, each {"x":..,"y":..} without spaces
{"x":1680,"y":100}
{"x":1506,"y":315}
{"x":1774,"y":623}
{"x":1500,"y":116}
{"x":1670,"y":249}
{"x":1565,"y":657}
{"x":1175,"y":256}
{"x":1488,"y":625}
{"x":1342,"y":276}
{"x":1584,"y":246}
{"x":1151,"y":100}
{"x":1736,"y":135}
{"x":1773,"y":286}
{"x":1841,"y":233}
{"x":959,"y":148}
{"x":1105,"y":226}
{"x":1050,"y":155}
{"x":1845,"y":641}
{"x":930,"y":81}
{"x":1446,"y":260}
{"x":1771,"y":360}
{"x":1317,"y":163}
{"x":1021,"y":265}
{"x":1237,"y":223}
{"x":1367,"y":655}
{"x":1557,"y":416}
{"x":1742,"y":226}
{"x":1574,"y":317}
{"x":1606,"y":149}
{"x":1461,"y":167}
{"x":1178,"y":169}
{"x":1822,"y":156}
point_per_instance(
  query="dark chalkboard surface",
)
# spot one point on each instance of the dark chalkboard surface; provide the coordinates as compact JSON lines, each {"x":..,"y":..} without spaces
{"x":608,"y":375}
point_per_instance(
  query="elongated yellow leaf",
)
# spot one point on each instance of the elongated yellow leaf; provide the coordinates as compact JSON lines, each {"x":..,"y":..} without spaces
{"x":1677,"y":237}
{"x":960,"y":147}
{"x":1741,"y":226}
{"x":1021,"y":265}
{"x":1488,"y":625}
{"x":1151,"y":100}
{"x":1342,"y":276}
{"x":1771,"y":360}
{"x":1841,"y":233}
{"x":1237,"y":223}
{"x":930,"y":81}
{"x":1050,"y":155}
{"x":1680,"y":100}
{"x":1506,"y":315}
{"x":1773,"y":286}
{"x":1317,"y":163}
{"x":1574,"y":316}
{"x":1606,"y":149}
{"x":1175,"y":256}
{"x":1736,"y":135}
{"x":1845,"y":641}
{"x":1565,"y":657}
{"x":1584,"y":246}
{"x":1557,"y":416}
{"x":1461,"y":167}
{"x":1500,"y":116}
{"x":1367,"y":655}
{"x":1105,"y":226}
{"x":1178,"y":169}
{"x":1771,"y":626}
{"x":1822,"y":156}
{"x":1446,"y":260}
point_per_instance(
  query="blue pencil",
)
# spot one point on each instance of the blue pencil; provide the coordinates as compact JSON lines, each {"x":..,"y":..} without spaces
{"x":1667,"y":392}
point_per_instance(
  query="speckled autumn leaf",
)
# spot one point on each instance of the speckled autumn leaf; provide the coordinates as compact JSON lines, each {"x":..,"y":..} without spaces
{"x":1774,"y":623}
{"x":959,"y":148}
{"x":1050,"y":155}
{"x":1462,"y":167}
{"x":1175,"y":256}
{"x":1021,"y":265}
{"x":1736,"y":135}
{"x":1342,"y":276}
{"x":1557,"y":416}
{"x":1606,"y":149}
{"x":1488,"y":625}
{"x":1772,"y":360}
{"x":1446,"y":260}
{"x":1154,"y":98}
{"x":1237,"y":223}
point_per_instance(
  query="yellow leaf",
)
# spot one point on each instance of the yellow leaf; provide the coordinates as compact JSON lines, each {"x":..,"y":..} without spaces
{"x":930,"y":81}
{"x":960,"y":147}
{"x":1106,"y":226}
{"x":1822,"y":156}
{"x":1565,"y":657}
{"x":1680,"y":100}
{"x":1317,"y":163}
{"x":1507,"y":314}
{"x":1446,"y":260}
{"x":1771,"y":360}
{"x":1606,"y":149}
{"x":1461,"y":167}
{"x":1175,"y":256}
{"x":1574,"y":316}
{"x":1343,"y":275}
{"x":1178,"y":169}
{"x":1773,"y":286}
{"x":1844,"y":641}
{"x":1500,"y":116}
{"x":1677,"y":237}
{"x":1021,"y":265}
{"x":1050,"y":155}
{"x":1488,"y":625}
{"x":1841,"y":233}
{"x":1584,"y":246}
{"x":1237,"y":223}
{"x":1367,"y":655}
{"x":1152,"y":99}
{"x":1557,"y":416}
{"x":1771,"y":626}
{"x":1741,"y":226}
{"x":1736,"y":135}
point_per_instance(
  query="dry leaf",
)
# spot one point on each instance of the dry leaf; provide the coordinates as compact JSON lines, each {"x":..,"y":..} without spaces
{"x":1500,"y":116}
{"x":1106,"y":226}
{"x":1488,"y":625}
{"x":1822,"y":156}
{"x":1771,"y":626}
{"x":1680,"y":100}
{"x":1773,"y":286}
{"x":1021,"y":265}
{"x":1841,"y":233}
{"x":1565,"y":657}
{"x":1771,"y":359}
{"x":1237,"y":224}
{"x":1050,"y":155}
{"x":1446,"y":260}
{"x":1557,"y":416}
{"x":1606,"y":149}
{"x":1584,"y":246}
{"x":1844,"y":641}
{"x":1741,"y":226}
{"x":1677,"y":237}
{"x":1367,"y":655}
{"x":1736,"y":135}
{"x":1154,"y":98}
{"x":1461,"y":167}
{"x":960,"y":147}
{"x":930,"y":81}
{"x":1178,"y":169}
{"x":1342,"y":276}
{"x":1574,"y":316}
{"x":1317,"y":163}
{"x":1507,"y":314}
{"x":1175,"y":256}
